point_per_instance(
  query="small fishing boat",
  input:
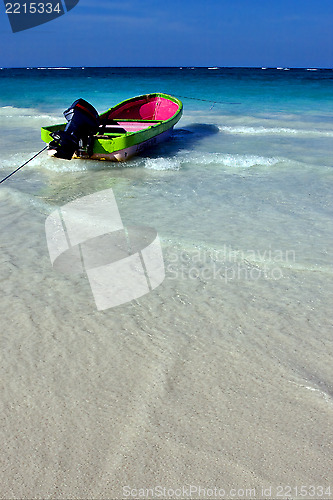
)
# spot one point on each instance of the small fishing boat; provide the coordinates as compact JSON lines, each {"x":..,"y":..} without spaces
{"x":117,"y":134}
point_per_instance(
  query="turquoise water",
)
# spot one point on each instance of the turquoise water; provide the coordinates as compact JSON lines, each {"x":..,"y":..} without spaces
{"x":201,"y":370}
{"x":254,"y":90}
{"x":253,"y":144}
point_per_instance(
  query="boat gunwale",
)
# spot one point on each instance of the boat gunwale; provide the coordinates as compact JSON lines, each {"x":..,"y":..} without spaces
{"x":148,"y":96}
{"x":105,"y":145}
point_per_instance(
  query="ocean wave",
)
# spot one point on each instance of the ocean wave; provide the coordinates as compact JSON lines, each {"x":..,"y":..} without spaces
{"x":61,"y":169}
{"x":274,"y":131}
{"x":230,"y":160}
{"x":186,"y":159}
{"x":13,"y":119}
{"x":43,"y":162}
{"x":17,"y":159}
{"x":247,"y":161}
{"x":162,"y":163}
{"x":61,"y":166}
{"x":53,"y":68}
{"x":31,"y":113}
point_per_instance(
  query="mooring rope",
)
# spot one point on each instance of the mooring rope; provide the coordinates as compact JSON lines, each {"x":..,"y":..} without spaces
{"x":14,"y":171}
{"x":207,"y":100}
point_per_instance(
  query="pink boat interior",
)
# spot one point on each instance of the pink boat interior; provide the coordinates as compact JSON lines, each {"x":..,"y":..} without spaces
{"x":138,"y":114}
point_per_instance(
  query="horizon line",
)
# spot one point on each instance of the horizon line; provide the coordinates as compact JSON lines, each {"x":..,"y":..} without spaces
{"x":169,"y":67}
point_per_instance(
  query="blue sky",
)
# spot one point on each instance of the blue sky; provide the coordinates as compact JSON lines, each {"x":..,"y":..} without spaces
{"x":286,"y":33}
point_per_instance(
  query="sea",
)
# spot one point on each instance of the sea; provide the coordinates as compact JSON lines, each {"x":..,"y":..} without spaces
{"x":218,"y":383}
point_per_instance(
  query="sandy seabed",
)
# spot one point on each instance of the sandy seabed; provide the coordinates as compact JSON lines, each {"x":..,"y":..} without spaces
{"x":207,"y":384}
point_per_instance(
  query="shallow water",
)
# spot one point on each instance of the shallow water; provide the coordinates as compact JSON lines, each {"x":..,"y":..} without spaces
{"x":221,"y":376}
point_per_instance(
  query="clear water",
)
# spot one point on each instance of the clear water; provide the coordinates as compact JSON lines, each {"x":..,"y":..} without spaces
{"x":224,"y":365}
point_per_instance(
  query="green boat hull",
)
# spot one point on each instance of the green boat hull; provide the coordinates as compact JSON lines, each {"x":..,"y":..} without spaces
{"x":130,"y":127}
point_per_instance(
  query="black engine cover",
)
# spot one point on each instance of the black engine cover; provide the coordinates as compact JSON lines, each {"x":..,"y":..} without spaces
{"x":83,"y":122}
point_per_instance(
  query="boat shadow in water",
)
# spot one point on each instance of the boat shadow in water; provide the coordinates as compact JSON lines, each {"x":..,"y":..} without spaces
{"x":181,"y":139}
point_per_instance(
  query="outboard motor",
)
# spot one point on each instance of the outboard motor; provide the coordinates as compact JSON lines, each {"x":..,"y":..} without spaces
{"x":83,"y":122}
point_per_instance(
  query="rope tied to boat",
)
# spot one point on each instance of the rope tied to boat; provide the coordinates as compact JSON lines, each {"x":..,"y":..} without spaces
{"x":19,"y":168}
{"x":207,"y":100}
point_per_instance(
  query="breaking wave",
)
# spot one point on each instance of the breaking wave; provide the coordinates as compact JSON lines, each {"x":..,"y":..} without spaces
{"x":275,"y":131}
{"x":21,"y":117}
{"x":162,"y":163}
{"x":229,"y":160}
{"x":189,"y":159}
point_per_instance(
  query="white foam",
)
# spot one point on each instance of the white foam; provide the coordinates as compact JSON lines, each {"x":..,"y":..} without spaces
{"x":230,"y":160}
{"x":163,"y":163}
{"x":54,"y":68}
{"x":43,"y":162}
{"x":274,"y":131}
{"x":247,"y":161}
{"x":59,"y":165}
{"x":13,"y":112}
{"x":17,"y":159}
{"x":26,"y":117}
